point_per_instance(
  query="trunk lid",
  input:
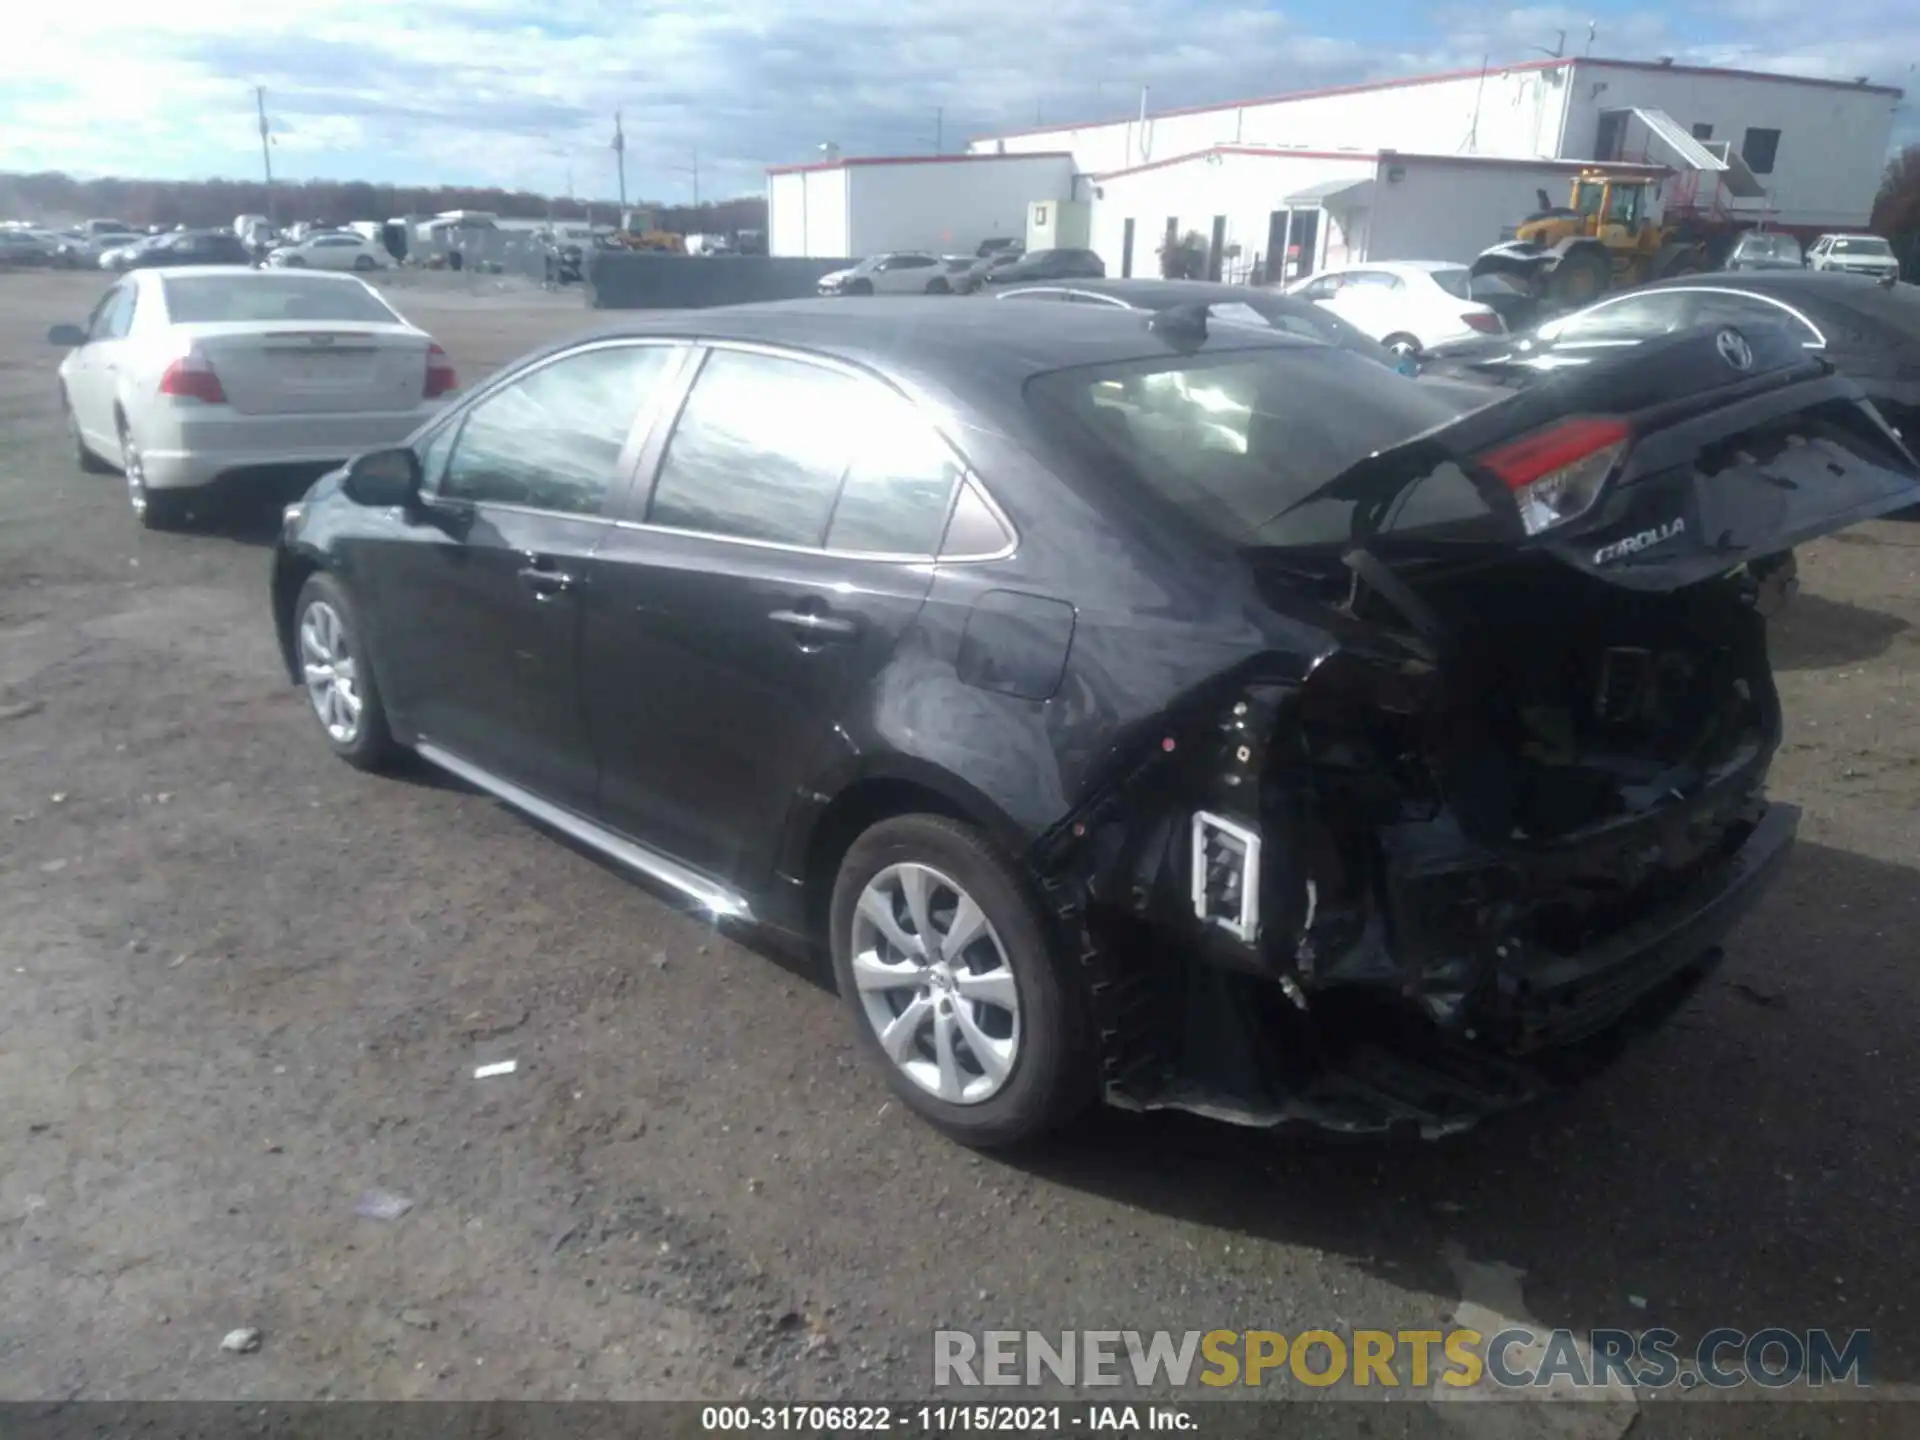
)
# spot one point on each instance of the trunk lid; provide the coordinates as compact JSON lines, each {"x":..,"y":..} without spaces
{"x":1742,"y":444}
{"x":308,"y":368}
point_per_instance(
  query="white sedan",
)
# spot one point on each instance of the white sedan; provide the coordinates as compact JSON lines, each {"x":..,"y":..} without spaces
{"x":901,"y":272}
{"x":331,"y":250}
{"x":182,"y":377}
{"x":1407,"y":305}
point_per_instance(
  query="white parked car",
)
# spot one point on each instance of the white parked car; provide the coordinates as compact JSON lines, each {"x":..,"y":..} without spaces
{"x":1407,"y":305}
{"x":1854,"y":254}
{"x":184,"y":376}
{"x":331,"y":250}
{"x":899,"y":272}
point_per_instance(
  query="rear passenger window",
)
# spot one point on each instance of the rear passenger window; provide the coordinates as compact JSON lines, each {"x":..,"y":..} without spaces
{"x":759,"y":451}
{"x":894,"y":499}
{"x":551,"y":440}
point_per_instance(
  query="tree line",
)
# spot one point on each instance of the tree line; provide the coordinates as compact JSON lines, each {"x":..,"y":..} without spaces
{"x":1896,"y":213}
{"x":55,"y":198}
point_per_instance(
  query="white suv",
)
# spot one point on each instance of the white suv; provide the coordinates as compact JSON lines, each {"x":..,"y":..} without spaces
{"x":1855,"y":254}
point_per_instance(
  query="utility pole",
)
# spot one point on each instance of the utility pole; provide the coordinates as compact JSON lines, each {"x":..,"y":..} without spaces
{"x":939,"y":129}
{"x":694,"y":171}
{"x":266,"y":154}
{"x":620,"y":155}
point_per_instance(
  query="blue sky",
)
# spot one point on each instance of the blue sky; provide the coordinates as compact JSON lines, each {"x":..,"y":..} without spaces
{"x":510,"y":93}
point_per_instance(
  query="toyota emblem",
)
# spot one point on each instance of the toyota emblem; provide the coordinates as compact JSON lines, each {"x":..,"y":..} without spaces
{"x":1734,"y":349}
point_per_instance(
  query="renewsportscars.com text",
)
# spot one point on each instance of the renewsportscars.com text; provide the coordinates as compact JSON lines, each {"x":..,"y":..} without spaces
{"x":1516,"y":1358}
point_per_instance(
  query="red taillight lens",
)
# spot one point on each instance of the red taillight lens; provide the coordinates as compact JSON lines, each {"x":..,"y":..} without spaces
{"x":1556,"y":473}
{"x":192,"y":377}
{"x":1485,"y":321}
{"x":440,"y":377}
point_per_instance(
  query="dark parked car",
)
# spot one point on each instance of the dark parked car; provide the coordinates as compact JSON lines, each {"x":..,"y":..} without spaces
{"x":1048,"y":265}
{"x":1228,"y":304}
{"x":1131,"y":705}
{"x":976,"y":274}
{"x":1765,"y":250}
{"x":1869,"y":329}
{"x":191,"y":247}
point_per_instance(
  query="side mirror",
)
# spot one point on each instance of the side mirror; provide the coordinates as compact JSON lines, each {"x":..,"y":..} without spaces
{"x":383,"y":477}
{"x":71,"y":336}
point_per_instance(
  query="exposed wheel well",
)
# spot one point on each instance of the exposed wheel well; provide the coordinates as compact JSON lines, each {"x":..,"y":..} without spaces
{"x":860,"y":805}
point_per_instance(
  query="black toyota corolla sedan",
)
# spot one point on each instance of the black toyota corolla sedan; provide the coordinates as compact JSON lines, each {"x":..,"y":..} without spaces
{"x":1190,"y":716}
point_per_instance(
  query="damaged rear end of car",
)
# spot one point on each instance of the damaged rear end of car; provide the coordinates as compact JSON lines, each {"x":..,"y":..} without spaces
{"x":1505,"y":814}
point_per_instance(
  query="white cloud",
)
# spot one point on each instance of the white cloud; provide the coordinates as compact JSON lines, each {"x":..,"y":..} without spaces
{"x":498,"y":92}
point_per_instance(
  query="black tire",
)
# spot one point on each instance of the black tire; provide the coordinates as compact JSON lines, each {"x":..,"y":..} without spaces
{"x":1581,"y":276}
{"x":371,"y":746}
{"x":939,"y":286}
{"x":1402,"y":343}
{"x":365,"y":262}
{"x":1053,"y":1076}
{"x":859,"y":287}
{"x":83,"y":455}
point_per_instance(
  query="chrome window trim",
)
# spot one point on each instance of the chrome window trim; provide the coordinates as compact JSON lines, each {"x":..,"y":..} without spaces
{"x":967,"y":475}
{"x":621,"y":481}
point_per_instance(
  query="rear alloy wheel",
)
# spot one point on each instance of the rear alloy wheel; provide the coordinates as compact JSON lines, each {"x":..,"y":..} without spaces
{"x":154,"y":509}
{"x":1402,"y":347}
{"x":954,"y":989}
{"x":939,"y":286}
{"x":365,"y":262}
{"x":859,"y":287}
{"x":338,"y":681}
{"x":82,"y":453}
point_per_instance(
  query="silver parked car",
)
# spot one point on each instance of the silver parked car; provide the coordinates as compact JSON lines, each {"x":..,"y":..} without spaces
{"x":898,"y":272}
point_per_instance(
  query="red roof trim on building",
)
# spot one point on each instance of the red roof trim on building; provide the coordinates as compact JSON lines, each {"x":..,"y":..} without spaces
{"x":1390,"y":157}
{"x":1367,"y":86}
{"x":848,"y":161}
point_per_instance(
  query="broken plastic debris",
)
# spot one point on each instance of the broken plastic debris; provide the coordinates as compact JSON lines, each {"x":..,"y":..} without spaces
{"x":1638,"y":1302}
{"x":382,"y":1205}
{"x":498,"y":1067}
{"x":243,"y":1341}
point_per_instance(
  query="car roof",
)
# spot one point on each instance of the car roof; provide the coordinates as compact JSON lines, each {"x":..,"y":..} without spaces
{"x":1801,"y":284}
{"x":1420,"y":267}
{"x":933,"y":338}
{"x":270,"y":277}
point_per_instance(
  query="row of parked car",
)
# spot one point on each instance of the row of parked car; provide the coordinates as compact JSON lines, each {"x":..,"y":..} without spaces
{"x":111,"y":245}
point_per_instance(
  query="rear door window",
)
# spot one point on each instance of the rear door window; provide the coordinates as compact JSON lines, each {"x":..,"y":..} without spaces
{"x":1637,"y":317}
{"x":552,"y":439}
{"x":781,"y":450}
{"x":758,"y":451}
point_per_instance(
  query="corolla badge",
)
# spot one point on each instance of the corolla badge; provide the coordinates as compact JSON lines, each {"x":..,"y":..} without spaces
{"x":1645,"y":539}
{"x":1734,"y":349}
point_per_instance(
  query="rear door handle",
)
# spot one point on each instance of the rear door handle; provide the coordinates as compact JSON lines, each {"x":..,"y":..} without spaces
{"x":546,"y":583}
{"x":813,"y":626}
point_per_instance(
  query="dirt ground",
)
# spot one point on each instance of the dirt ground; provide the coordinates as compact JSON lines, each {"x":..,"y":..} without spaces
{"x":242,"y":984}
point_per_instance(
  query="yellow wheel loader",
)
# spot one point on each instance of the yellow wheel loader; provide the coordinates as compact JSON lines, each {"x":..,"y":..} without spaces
{"x":1605,"y":239}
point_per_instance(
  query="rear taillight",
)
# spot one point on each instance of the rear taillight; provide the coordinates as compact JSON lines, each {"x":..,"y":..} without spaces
{"x":440,"y":377}
{"x":1485,"y":321}
{"x":192,"y":377}
{"x":1556,"y":473}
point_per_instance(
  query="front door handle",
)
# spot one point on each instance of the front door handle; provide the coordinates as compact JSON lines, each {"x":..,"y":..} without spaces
{"x":546,"y":583}
{"x":812,"y":626}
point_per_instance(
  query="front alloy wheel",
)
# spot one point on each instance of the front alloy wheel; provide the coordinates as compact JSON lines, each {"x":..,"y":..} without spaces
{"x":338,"y":681}
{"x":331,"y":671}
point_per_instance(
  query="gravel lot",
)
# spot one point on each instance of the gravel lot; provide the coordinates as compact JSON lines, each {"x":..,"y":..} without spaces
{"x":241,"y":984}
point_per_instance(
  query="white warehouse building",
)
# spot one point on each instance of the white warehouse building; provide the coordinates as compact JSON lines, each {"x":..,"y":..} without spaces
{"x":1434,"y":167}
{"x":853,"y":207}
